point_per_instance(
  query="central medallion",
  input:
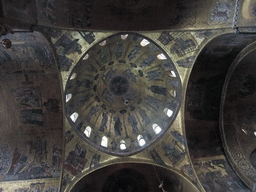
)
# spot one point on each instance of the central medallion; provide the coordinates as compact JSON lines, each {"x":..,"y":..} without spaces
{"x":119,"y":85}
{"x":123,"y":94}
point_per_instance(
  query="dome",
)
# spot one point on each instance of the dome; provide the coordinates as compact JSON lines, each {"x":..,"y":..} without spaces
{"x":123,"y":94}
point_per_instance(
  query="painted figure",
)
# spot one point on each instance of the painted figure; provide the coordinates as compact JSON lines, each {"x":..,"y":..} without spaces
{"x":117,"y":126}
{"x":4,"y":159}
{"x":36,"y":187}
{"x":32,"y":116}
{"x":158,"y":90}
{"x":179,"y":137}
{"x":113,"y":145}
{"x":68,"y":136}
{"x":102,"y":55}
{"x":39,"y":148}
{"x":95,"y":161}
{"x":65,"y":181}
{"x":133,"y":53}
{"x":84,"y":83}
{"x":104,"y":121}
{"x":56,"y":157}
{"x":184,"y":45}
{"x":35,"y":171}
{"x":187,"y":170}
{"x":76,"y":160}
{"x":174,"y":152}
{"x":133,"y":122}
{"x":49,"y":10}
{"x":155,"y":156}
{"x":167,"y":65}
{"x":144,"y":116}
{"x":118,"y":50}
{"x":165,"y":38}
{"x":154,"y":75}
{"x":106,"y":95}
{"x":221,"y":11}
{"x":186,"y":63}
{"x":79,"y":102}
{"x":94,"y":110}
{"x":132,"y":144}
{"x":28,"y":96}
{"x":88,"y":36}
{"x":147,"y":62}
{"x":153,"y":103}
{"x":66,"y":46}
{"x":15,"y":160}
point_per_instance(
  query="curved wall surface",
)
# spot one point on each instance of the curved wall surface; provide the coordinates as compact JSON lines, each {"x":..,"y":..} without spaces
{"x":134,"y":177}
{"x":202,"y":109}
{"x":31,"y":114}
{"x":237,"y":118}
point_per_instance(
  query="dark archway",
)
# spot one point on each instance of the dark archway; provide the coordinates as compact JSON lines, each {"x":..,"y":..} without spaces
{"x":237,"y":115}
{"x":126,"y":180}
{"x":202,"y":107}
{"x":133,"y":177}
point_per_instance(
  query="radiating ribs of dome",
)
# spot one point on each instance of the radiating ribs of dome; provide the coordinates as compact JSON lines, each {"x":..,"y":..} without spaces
{"x":126,"y":91}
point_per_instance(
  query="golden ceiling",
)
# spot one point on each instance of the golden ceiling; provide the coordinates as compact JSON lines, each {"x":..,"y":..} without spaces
{"x":89,"y":87}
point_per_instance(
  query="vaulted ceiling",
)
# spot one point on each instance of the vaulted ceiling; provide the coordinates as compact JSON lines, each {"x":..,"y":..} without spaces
{"x":127,"y":96}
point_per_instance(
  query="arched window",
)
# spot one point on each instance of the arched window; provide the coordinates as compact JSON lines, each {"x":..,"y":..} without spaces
{"x":73,"y":76}
{"x":88,"y":131}
{"x":74,"y":117}
{"x":141,"y":140}
{"x":68,"y":97}
{"x":173,"y":93}
{"x":104,"y":141}
{"x":123,"y":37}
{"x":156,"y":128}
{"x":103,"y":43}
{"x":161,"y":56}
{"x":144,"y":42}
{"x":122,"y":145}
{"x":168,"y":112}
{"x":86,"y":57}
{"x":171,"y":73}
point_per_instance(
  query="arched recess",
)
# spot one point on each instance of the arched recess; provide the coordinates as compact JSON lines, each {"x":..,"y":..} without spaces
{"x":237,"y":116}
{"x":31,"y":143}
{"x":202,"y":108}
{"x":133,"y":177}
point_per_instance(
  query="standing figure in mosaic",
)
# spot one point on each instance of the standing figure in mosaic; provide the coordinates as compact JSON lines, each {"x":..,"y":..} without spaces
{"x":39,"y":148}
{"x":95,"y":161}
{"x":174,"y":152}
{"x":133,"y":122}
{"x":104,"y":121}
{"x":15,"y":160}
{"x":117,"y":126}
{"x":4,"y":159}
{"x":56,"y":157}
{"x":76,"y":160}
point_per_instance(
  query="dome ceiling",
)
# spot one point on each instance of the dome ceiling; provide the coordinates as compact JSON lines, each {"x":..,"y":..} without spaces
{"x":123,"y":94}
{"x":118,"y":105}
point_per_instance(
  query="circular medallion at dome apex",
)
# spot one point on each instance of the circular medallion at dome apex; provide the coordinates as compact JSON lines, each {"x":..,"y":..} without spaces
{"x":123,"y":94}
{"x":119,"y":85}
